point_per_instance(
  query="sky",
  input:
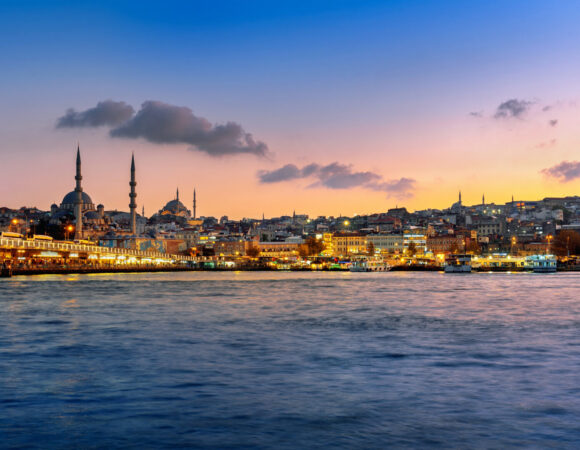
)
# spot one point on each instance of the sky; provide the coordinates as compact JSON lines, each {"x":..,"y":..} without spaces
{"x":331,"y":107}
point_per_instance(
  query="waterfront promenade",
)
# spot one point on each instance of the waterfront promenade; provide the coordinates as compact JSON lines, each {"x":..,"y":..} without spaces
{"x":25,"y":256}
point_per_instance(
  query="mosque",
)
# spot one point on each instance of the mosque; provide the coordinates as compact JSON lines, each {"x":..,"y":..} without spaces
{"x":176,"y":208}
{"x":77,"y":205}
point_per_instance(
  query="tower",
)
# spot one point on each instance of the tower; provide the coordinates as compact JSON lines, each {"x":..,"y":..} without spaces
{"x":194,"y":205}
{"x":459,"y":198}
{"x":177,"y":194}
{"x":78,"y":198}
{"x":483,"y":199}
{"x":132,"y":196}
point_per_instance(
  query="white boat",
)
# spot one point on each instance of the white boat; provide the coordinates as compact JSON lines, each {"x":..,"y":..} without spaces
{"x":541,"y":263}
{"x":458,"y":264}
{"x":369,"y":266}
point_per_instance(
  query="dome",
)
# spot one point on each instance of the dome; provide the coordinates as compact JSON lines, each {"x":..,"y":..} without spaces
{"x":176,"y":208}
{"x":174,"y":204}
{"x":70,"y":198}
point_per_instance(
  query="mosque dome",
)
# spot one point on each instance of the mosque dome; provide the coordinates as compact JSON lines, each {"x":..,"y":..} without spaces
{"x":176,"y":208}
{"x":174,"y":205}
{"x":68,"y":202}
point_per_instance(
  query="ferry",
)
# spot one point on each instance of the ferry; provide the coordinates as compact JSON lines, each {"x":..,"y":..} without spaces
{"x":369,"y":266}
{"x":458,"y":264}
{"x":541,"y":263}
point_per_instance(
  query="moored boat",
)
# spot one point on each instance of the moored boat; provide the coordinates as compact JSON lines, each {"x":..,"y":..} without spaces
{"x":369,"y":265}
{"x":458,"y":264}
{"x":541,"y":263}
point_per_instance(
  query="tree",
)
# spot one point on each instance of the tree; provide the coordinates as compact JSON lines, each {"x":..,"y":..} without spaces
{"x":412,"y":249}
{"x":566,"y":242}
{"x":253,"y":251}
{"x":314,"y":246}
{"x":371,"y":249}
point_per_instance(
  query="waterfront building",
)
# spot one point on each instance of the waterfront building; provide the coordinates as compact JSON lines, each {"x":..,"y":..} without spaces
{"x":416,"y":236}
{"x":445,"y":244}
{"x":386,"y":243}
{"x":279,"y":249}
{"x":349,"y":243}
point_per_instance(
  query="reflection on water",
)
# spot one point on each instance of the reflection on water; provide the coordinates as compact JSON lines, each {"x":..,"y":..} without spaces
{"x":290,"y":360}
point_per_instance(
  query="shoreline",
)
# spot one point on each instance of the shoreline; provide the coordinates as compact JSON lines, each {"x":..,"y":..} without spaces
{"x":71,"y":271}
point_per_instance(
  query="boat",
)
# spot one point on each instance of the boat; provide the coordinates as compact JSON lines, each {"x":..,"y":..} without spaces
{"x":541,"y":263}
{"x":372,"y":265}
{"x":458,"y":264}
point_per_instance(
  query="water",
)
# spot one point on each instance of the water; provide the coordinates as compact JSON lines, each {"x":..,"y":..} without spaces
{"x":290,"y":360}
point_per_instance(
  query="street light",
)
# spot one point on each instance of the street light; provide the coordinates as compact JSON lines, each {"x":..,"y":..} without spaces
{"x":68,"y":230}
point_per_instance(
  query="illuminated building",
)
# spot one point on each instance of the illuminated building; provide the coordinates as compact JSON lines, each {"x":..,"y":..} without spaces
{"x":344,"y":244}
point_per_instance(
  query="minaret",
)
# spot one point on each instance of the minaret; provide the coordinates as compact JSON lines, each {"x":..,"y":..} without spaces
{"x":143,"y":211}
{"x":483,"y":199}
{"x":177,"y":195}
{"x":459,"y":198}
{"x":132,"y":196}
{"x":194,"y":205}
{"x":78,"y":198}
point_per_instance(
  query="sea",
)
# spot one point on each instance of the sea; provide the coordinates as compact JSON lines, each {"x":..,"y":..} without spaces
{"x":290,"y":360}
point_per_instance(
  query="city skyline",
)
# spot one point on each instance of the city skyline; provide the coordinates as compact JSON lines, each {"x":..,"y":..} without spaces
{"x":334,"y":108}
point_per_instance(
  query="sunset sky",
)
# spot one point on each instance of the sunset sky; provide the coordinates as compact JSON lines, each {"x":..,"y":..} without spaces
{"x":323,"y":107}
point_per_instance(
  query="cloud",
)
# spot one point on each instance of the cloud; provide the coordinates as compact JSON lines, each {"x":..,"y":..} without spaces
{"x":162,"y":123}
{"x":477,"y":114}
{"x":284,"y":173}
{"x":340,"y":176}
{"x":512,"y":108}
{"x":107,"y":113}
{"x":553,"y":122}
{"x":564,"y":172}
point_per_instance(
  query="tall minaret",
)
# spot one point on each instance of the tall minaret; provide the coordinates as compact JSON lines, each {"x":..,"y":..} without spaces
{"x":78,"y":198}
{"x":132,"y":196}
{"x":483,"y":199}
{"x":459,"y":198}
{"x":177,"y":195}
{"x":194,"y":205}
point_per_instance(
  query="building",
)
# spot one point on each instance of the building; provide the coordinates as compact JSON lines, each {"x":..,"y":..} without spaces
{"x":279,"y":249}
{"x":175,"y":208}
{"x":445,"y":244}
{"x":386,"y":243}
{"x":345,"y":244}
